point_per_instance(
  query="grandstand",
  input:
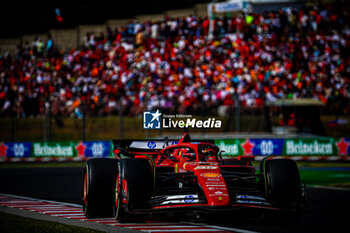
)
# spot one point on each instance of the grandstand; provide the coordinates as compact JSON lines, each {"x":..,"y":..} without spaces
{"x":172,"y":64}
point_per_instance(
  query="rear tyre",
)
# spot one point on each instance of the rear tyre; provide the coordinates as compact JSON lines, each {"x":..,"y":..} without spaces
{"x":99,"y":187}
{"x":135,"y":184}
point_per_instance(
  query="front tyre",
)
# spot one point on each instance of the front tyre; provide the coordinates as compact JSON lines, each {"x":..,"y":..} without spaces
{"x":135,"y":183}
{"x":99,"y":187}
{"x":283,"y":183}
{"x":282,"y":188}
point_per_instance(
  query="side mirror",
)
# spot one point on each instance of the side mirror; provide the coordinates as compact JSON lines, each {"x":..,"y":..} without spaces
{"x":220,"y":154}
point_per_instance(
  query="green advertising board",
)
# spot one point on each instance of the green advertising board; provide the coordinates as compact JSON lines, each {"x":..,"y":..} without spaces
{"x":230,"y":146}
{"x":54,"y":149}
{"x":309,"y":147}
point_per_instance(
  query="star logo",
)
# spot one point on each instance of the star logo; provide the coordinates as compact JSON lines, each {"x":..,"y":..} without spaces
{"x":151,"y":120}
{"x":342,"y":146}
{"x":155,"y":115}
{"x":81,"y":149}
{"x":3,"y":150}
{"x":247,"y":147}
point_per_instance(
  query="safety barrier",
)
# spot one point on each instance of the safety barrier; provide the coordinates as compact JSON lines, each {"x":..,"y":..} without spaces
{"x":69,"y":149}
{"x":296,"y":148}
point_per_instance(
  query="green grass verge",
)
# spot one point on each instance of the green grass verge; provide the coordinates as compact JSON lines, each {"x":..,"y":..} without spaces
{"x":16,"y":224}
{"x":333,"y":174}
{"x":335,"y":177}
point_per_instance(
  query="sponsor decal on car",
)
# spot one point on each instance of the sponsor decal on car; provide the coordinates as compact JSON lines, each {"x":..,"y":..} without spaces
{"x":211,"y":175}
{"x":254,"y":200}
{"x":206,"y":167}
{"x":189,"y":199}
{"x":180,"y":199}
{"x":215,"y":180}
{"x":218,"y":193}
{"x":217,"y":188}
{"x":216,"y":185}
{"x":151,"y":144}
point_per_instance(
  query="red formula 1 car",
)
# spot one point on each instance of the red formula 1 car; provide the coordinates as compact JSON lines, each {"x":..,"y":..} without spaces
{"x":190,"y":176}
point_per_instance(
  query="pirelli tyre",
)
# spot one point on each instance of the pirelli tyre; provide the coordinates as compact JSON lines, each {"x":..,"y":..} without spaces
{"x":100,"y":175}
{"x":283,"y":189}
{"x":282,"y":183}
{"x":135,"y":185}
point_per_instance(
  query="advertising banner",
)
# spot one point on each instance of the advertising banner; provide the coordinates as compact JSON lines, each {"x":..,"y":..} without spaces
{"x":230,"y":146}
{"x":15,"y":149}
{"x":342,"y":146}
{"x":54,"y":149}
{"x":226,"y":7}
{"x":94,"y":149}
{"x":309,"y":147}
{"x":322,"y":147}
{"x":267,"y":146}
{"x":286,"y":147}
{"x":72,"y":149}
{"x":236,"y":147}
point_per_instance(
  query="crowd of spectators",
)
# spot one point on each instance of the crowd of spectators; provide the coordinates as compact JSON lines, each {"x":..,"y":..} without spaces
{"x":176,"y":66}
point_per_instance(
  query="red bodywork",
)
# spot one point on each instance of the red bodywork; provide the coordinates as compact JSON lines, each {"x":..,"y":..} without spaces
{"x":208,"y":169}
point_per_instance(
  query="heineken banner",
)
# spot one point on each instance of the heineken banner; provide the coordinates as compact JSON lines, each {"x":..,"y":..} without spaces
{"x":72,"y":149}
{"x":54,"y":149}
{"x":309,"y":147}
{"x":317,"y":147}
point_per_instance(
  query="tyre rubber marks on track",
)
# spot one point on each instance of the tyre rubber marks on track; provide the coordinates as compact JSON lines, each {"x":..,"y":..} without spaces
{"x":71,"y":211}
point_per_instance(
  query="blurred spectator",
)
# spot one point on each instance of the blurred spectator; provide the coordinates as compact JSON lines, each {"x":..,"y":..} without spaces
{"x":173,"y":65}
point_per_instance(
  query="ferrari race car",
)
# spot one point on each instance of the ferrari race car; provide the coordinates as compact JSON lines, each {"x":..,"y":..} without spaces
{"x":186,"y":176}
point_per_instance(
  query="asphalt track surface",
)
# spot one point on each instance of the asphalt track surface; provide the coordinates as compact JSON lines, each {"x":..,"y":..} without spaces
{"x":328,"y":209}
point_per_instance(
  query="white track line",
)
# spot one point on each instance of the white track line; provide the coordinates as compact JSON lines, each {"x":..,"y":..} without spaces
{"x":168,"y":226}
{"x":141,"y":224}
{"x":43,"y":206}
{"x":78,"y":215}
{"x":328,"y":187}
{"x":63,"y":215}
{"x":63,"y":211}
{"x":42,"y":200}
{"x":181,"y":230}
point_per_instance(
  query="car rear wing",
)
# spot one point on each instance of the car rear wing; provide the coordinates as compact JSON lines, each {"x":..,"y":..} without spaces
{"x":147,"y":145}
{"x":142,"y":145}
